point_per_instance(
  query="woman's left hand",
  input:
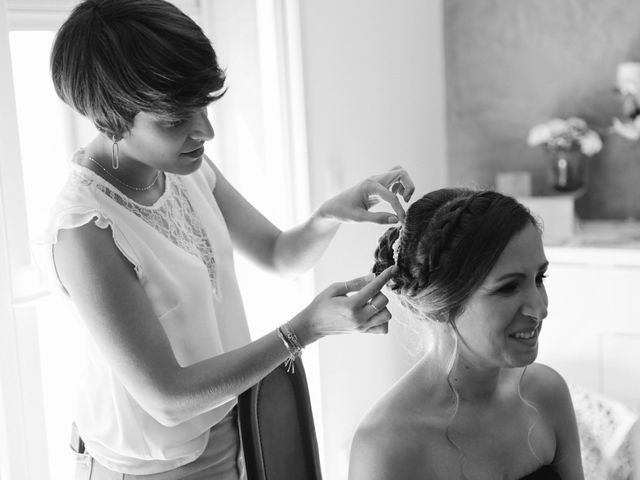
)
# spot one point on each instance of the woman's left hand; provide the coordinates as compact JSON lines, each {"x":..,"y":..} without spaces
{"x":353,"y":204}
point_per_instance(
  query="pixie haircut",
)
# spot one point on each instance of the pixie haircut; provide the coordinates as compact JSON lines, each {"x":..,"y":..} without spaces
{"x":112,"y":59}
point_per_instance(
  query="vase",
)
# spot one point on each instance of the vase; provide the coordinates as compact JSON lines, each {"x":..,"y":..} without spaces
{"x":568,"y":169}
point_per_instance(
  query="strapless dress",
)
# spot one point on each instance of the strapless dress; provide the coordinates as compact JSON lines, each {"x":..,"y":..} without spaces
{"x":543,"y":473}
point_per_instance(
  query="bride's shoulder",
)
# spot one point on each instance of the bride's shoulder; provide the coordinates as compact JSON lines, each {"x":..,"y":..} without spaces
{"x":382,"y":446}
{"x":405,"y":410}
{"x":389,"y":441}
{"x":545,"y":386}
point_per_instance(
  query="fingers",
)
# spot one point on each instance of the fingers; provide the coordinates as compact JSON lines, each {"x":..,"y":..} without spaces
{"x":392,"y":199}
{"x":398,"y":181}
{"x":365,"y":310}
{"x":376,"y":305}
{"x":370,"y":289}
{"x":387,"y":187}
{"x":353,"y":285}
{"x":383,"y":218}
{"x":379,"y":329}
{"x":378,"y":322}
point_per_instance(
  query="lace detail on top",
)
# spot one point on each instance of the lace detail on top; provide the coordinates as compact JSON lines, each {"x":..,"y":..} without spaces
{"x":172,"y":216}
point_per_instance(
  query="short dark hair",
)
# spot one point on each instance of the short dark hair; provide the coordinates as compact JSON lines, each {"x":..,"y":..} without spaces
{"x":450,"y":241}
{"x":112,"y":59}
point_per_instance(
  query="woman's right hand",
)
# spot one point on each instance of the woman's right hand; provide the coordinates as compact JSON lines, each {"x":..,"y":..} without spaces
{"x":333,"y":311}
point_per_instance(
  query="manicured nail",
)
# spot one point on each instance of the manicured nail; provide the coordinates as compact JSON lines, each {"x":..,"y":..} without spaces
{"x":392,"y":219}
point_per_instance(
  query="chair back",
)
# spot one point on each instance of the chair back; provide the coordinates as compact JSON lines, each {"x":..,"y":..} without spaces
{"x":277,"y":429}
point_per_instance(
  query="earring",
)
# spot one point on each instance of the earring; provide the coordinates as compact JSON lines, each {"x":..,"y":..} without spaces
{"x":115,"y":154}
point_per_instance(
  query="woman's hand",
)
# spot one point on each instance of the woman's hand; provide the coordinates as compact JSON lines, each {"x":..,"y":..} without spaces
{"x":333,"y":311}
{"x":353,"y":204}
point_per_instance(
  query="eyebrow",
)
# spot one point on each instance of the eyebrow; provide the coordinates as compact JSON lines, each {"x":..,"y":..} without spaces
{"x":520,"y":274}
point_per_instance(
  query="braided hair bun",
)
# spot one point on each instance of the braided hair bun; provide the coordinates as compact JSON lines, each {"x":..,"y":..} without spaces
{"x":448,"y":244}
{"x":384,"y":252}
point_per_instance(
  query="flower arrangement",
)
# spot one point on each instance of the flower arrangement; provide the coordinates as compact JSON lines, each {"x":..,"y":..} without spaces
{"x":565,"y":135}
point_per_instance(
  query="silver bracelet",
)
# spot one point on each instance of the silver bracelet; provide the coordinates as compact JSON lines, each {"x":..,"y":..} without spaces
{"x":292,"y":344}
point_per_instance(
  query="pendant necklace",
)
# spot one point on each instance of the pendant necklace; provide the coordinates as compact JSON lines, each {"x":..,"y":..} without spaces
{"x":137,"y":189}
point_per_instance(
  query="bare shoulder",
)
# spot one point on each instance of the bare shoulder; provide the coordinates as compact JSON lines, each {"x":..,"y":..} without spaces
{"x":379,"y":450}
{"x":386,"y":441}
{"x":543,"y":378}
{"x":382,"y":426}
{"x":546,"y":387}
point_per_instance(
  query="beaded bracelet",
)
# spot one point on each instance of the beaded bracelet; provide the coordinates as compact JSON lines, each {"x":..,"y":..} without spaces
{"x":291,"y":342}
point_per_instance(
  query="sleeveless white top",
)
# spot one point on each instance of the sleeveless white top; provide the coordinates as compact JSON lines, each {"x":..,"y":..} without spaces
{"x":182,"y":254}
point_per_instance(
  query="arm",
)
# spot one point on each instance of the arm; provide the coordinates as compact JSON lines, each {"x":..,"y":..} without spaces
{"x":298,"y":249}
{"x":119,"y":317}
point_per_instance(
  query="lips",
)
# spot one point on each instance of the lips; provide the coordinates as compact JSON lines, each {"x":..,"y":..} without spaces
{"x":528,"y":335}
{"x":198,"y":152}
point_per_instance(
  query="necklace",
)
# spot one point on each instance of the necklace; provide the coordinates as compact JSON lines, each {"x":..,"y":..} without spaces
{"x":137,"y":189}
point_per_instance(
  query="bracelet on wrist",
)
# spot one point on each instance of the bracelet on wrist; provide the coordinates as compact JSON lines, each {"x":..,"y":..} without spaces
{"x":292,"y":344}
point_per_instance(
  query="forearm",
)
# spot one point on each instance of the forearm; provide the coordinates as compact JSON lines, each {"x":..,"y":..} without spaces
{"x":198,"y":388}
{"x":298,"y":249}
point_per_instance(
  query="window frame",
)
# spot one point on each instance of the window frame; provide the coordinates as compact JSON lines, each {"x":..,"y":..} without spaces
{"x":21,"y":402}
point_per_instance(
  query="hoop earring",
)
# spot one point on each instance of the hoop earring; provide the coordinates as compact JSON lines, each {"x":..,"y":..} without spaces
{"x":115,"y":154}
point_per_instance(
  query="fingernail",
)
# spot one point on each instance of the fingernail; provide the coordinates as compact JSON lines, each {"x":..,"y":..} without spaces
{"x":392,"y":219}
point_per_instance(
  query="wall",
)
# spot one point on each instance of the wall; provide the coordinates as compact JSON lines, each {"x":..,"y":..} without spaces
{"x":511,"y":64}
{"x":374,"y":83}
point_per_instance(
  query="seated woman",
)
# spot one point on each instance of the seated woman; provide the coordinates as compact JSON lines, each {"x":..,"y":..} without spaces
{"x":471,"y":267}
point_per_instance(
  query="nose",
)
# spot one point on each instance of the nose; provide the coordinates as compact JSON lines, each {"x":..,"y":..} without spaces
{"x":201,"y":128}
{"x":536,"y":304}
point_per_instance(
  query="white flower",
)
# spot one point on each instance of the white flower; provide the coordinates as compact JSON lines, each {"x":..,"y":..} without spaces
{"x":629,"y":130}
{"x":544,"y":132}
{"x":577,"y":123}
{"x":590,"y":144}
{"x":572,"y":133}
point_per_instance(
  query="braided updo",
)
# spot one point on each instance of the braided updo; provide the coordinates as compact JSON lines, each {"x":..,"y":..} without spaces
{"x":450,"y":241}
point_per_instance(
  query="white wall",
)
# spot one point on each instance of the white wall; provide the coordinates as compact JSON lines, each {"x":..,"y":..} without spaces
{"x":374,"y":88}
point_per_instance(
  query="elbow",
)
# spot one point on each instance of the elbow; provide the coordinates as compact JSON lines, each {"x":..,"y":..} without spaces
{"x":287,"y":271}
{"x":286,"y":262}
{"x":173,"y":403}
{"x":168,"y":418}
{"x":162,"y":401}
{"x":164,"y":409}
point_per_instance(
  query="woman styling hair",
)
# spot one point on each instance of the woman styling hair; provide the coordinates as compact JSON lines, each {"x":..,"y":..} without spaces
{"x":143,"y":236}
{"x":471,"y":266}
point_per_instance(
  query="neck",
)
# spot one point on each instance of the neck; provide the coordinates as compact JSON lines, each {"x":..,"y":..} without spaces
{"x":130,"y":172}
{"x":473,"y":381}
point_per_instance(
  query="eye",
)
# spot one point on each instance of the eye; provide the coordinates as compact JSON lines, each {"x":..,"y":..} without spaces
{"x":508,"y":288}
{"x":174,"y":123}
{"x":540,"y":279}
